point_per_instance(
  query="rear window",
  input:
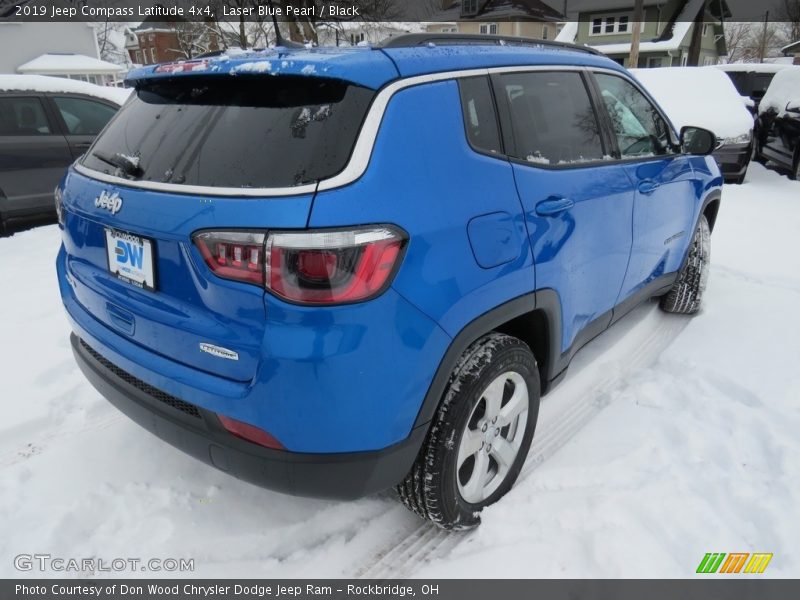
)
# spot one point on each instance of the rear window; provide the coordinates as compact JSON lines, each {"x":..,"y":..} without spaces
{"x":234,"y":131}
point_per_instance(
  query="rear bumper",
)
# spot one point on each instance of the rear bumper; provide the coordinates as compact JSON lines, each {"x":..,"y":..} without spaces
{"x":198,"y":432}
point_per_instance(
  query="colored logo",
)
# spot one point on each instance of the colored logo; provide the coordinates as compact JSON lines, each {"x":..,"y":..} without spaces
{"x":129,"y":253}
{"x":735,"y":562}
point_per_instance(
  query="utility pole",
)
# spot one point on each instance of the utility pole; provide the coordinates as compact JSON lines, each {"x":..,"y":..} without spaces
{"x":762,"y":47}
{"x":636,"y":34}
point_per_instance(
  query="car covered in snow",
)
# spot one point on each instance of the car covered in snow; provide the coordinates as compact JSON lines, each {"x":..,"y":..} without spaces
{"x":751,"y":79}
{"x":45,"y":124}
{"x":333,"y":271}
{"x":706,"y":96}
{"x":778,"y":124}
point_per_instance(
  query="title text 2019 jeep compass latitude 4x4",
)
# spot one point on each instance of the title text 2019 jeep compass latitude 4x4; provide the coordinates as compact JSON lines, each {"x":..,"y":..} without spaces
{"x":332,"y":271}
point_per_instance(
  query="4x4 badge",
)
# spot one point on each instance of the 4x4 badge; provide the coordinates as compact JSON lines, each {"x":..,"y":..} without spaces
{"x":109,"y":201}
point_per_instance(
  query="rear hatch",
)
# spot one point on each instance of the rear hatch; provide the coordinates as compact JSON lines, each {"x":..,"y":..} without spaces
{"x":195,"y":154}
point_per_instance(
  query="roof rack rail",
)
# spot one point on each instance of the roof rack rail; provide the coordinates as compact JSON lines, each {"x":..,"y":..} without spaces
{"x":410,"y":40}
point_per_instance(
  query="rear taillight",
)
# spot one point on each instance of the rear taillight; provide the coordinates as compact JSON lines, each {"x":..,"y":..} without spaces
{"x":308,"y":267}
{"x":331,"y":267}
{"x":58,"y":196}
{"x":237,"y":255}
{"x":250,"y":433}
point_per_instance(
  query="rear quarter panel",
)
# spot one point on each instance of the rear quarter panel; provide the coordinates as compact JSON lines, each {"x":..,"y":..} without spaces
{"x":424,"y":177}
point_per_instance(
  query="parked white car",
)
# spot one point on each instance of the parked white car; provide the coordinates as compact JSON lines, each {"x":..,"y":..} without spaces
{"x":705,"y":96}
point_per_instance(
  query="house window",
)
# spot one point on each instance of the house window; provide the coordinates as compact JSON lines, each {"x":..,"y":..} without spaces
{"x":708,"y":61}
{"x":545,"y":32}
{"x":705,"y":30}
{"x":449,"y":29}
{"x":684,"y":60}
{"x":153,"y":55}
{"x":489,"y":28}
{"x":611,"y":24}
{"x":139,"y":57}
{"x":654,"y":62}
{"x":469,"y":7}
{"x":356,"y":38}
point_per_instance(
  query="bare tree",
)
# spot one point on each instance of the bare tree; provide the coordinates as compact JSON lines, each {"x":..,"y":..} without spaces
{"x":789,"y":13}
{"x":753,"y":42}
{"x":738,"y":40}
{"x":195,"y":38}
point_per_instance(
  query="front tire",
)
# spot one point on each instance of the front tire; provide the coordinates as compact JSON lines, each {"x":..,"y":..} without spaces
{"x":686,"y":294}
{"x":480,"y":435}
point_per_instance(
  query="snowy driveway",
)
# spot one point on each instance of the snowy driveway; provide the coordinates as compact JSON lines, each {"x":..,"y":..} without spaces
{"x":670,"y":437}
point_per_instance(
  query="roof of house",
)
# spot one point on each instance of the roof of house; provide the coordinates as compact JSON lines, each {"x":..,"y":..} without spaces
{"x":503,"y":10}
{"x":793,"y":47}
{"x":373,"y":67}
{"x":69,"y":64}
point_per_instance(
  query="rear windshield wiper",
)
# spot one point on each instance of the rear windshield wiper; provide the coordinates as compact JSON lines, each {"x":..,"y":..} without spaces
{"x":127,"y":164}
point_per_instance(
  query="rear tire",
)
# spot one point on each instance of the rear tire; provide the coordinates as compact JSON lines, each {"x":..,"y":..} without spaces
{"x":686,"y":294}
{"x":794,"y":174}
{"x":480,"y":435}
{"x":757,"y":156}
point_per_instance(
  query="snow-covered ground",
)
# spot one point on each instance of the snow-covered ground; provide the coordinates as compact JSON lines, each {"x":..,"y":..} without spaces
{"x":670,"y":437}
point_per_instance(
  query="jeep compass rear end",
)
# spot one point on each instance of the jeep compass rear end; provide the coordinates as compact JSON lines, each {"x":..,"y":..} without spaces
{"x":315,"y":269}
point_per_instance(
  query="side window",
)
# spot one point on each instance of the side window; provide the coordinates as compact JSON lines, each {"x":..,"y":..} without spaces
{"x":84,"y":117}
{"x":480,"y":119}
{"x":639,"y":128}
{"x":23,"y":116}
{"x":553,"y":121}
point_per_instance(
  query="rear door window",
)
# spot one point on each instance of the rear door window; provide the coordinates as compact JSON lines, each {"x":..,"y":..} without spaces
{"x":23,"y":115}
{"x":553,"y":120}
{"x":243,"y":131}
{"x":83,"y":117}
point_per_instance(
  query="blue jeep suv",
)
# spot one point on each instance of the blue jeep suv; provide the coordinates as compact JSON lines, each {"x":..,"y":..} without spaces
{"x":336,"y":271}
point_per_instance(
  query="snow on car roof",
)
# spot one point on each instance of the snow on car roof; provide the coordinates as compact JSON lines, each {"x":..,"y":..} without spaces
{"x":42,"y":83}
{"x":784,"y":88}
{"x":700,"y":96}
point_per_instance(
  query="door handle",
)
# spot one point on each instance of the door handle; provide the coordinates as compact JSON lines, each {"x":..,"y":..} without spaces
{"x":553,"y":206}
{"x":648,"y":186}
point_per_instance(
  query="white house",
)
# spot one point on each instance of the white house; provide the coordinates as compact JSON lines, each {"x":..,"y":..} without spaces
{"x":66,"y":49}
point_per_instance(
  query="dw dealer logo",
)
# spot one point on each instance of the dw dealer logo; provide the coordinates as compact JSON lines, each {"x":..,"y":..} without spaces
{"x":713,"y":562}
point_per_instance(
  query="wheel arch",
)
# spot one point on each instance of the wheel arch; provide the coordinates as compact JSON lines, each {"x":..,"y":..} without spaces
{"x":711,"y":209}
{"x":534,"y":318}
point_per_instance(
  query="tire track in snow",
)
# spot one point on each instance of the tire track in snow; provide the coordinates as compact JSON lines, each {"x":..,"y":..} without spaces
{"x":590,"y":386}
{"x":43,"y":442}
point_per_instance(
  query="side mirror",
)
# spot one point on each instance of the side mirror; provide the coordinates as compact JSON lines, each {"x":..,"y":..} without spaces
{"x":793,"y":106}
{"x":696,"y":140}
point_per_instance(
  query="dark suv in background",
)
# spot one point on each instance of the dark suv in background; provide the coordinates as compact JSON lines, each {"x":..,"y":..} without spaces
{"x":778,"y":123}
{"x":45,"y":124}
{"x":752,"y":79}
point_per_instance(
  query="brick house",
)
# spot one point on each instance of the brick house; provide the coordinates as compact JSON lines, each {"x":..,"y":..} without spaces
{"x":155,"y":42}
